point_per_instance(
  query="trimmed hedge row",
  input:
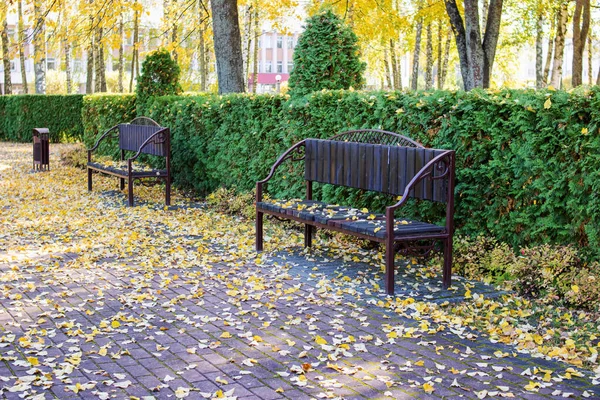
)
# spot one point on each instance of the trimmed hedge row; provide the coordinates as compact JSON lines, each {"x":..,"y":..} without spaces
{"x":61,"y":114}
{"x":100,"y":112}
{"x":528,"y":162}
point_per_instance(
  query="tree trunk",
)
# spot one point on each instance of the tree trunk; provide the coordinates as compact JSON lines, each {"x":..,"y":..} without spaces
{"x":485,"y":6}
{"x":6,"y":56}
{"x":136,"y":51}
{"x":174,"y":33}
{"x":550,"y":50}
{"x":429,"y":65}
{"x":581,"y":27}
{"x":255,"y":63}
{"x":415,"y":67}
{"x":559,"y":45}
{"x":439,"y":55}
{"x":121,"y":66}
{"x":227,"y":45}
{"x":590,"y":53}
{"x":248,"y":39}
{"x":476,"y":56}
{"x":67,"y":50}
{"x":446,"y":58}
{"x":100,"y":69}
{"x":386,"y":65}
{"x":394,"y":77}
{"x":39,"y":49}
{"x":21,"y":39}
{"x":539,"y":51}
{"x":89,"y":84}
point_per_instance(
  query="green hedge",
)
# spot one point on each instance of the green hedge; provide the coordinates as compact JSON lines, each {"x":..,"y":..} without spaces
{"x":61,"y":114}
{"x":100,"y":112}
{"x":527,"y":171}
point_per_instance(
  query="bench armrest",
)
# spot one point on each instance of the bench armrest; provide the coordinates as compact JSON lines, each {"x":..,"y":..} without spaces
{"x":445,"y":162}
{"x":288,"y":154}
{"x":104,"y":135}
{"x":163,"y":137}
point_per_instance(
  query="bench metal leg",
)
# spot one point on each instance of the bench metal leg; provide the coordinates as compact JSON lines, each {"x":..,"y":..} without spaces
{"x":168,"y":192}
{"x":259,"y":231}
{"x":130,"y":191}
{"x":389,"y":267}
{"x":89,"y":180}
{"x":122,"y":183}
{"x":447,"y":274}
{"x":308,"y":232}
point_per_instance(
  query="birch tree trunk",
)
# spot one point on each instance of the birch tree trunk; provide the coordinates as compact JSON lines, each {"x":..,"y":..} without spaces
{"x":590,"y":51}
{"x":227,"y":45}
{"x":415,"y":67}
{"x":99,"y":62}
{"x":429,"y":62}
{"x":386,"y":65}
{"x":539,"y":51}
{"x":136,"y":50}
{"x":121,"y":66}
{"x":446,"y":58}
{"x":6,"y":56}
{"x":174,"y":33}
{"x":255,"y":63}
{"x":39,"y":49}
{"x":439,"y":55}
{"x":67,"y":50}
{"x":89,"y":83}
{"x":21,"y":39}
{"x":550,"y":50}
{"x":248,"y":42}
{"x":394,"y":78}
{"x":559,"y":46}
{"x":476,"y":55}
{"x":581,"y":27}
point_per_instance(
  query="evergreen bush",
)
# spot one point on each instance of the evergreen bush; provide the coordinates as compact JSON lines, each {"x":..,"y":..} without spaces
{"x":327,"y":57}
{"x":159,"y":77}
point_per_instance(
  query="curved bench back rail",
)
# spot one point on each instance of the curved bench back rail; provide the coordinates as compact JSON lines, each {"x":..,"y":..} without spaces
{"x":144,"y":121}
{"x":375,"y":136}
{"x":379,"y":168}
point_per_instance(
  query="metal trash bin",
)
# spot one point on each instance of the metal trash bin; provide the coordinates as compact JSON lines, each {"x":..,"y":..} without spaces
{"x":41,"y":149}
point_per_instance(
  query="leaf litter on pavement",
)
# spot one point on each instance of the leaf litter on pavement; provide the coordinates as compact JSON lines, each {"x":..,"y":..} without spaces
{"x":86,"y":282}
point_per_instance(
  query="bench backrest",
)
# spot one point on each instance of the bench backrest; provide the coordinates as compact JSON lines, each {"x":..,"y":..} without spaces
{"x":374,"y":167}
{"x":132,"y":136}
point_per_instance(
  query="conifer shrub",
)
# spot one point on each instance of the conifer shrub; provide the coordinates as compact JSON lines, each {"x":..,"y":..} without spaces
{"x":159,"y":77}
{"x":327,"y":57}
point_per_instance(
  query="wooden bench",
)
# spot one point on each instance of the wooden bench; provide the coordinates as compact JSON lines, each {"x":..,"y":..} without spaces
{"x":142,"y":135}
{"x":376,"y":161}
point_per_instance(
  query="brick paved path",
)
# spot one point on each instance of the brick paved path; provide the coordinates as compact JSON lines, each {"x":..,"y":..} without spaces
{"x":290,"y":327}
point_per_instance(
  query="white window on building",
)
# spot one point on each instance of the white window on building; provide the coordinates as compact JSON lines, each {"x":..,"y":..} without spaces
{"x":267,"y":40}
{"x":290,"y":66}
{"x":51,"y":64}
{"x":279,"y":66}
{"x":268,"y":67}
{"x":279,"y":42}
{"x":260,"y":42}
{"x":290,"y":42}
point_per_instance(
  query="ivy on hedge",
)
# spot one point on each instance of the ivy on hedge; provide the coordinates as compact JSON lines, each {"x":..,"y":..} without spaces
{"x":61,"y":114}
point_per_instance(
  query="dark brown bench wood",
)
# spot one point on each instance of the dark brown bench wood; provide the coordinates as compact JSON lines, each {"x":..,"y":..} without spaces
{"x":142,"y":135}
{"x":376,"y":161}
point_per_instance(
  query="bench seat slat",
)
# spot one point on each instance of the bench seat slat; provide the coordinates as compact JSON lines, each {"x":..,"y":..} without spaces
{"x":122,"y":170}
{"x":347,"y":218}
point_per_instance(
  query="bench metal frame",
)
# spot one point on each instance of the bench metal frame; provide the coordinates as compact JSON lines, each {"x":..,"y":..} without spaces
{"x":440,"y":167}
{"x":158,"y":143}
